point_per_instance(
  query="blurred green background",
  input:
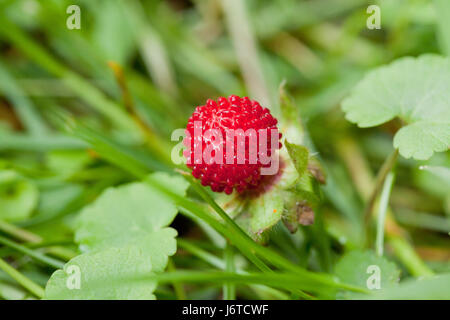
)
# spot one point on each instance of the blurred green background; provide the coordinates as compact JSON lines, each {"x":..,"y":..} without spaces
{"x":163,"y":58}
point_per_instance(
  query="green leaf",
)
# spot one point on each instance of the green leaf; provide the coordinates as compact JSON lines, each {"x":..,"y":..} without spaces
{"x":304,"y":193}
{"x":18,"y":196}
{"x":420,"y":139}
{"x":261,"y":211}
{"x":293,"y":187}
{"x":299,"y":155}
{"x":106,"y":274}
{"x":133,"y":214}
{"x":307,"y":189}
{"x":416,"y":90}
{"x":125,"y":232}
{"x":265,"y":211}
{"x":434,"y":288}
{"x":355,"y":268}
{"x":291,"y":124}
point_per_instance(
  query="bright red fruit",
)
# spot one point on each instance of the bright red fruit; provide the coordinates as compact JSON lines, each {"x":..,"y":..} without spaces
{"x":235,"y":115}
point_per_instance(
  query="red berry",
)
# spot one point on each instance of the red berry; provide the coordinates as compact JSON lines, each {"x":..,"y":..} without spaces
{"x":235,"y":115}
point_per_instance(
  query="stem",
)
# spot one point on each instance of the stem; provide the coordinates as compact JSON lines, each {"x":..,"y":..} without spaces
{"x":231,"y":230}
{"x":220,"y":264}
{"x":192,"y":209}
{"x":229,"y":289}
{"x":245,"y":244}
{"x":32,"y":238}
{"x":122,"y":83}
{"x":385,"y":169}
{"x":352,"y":156}
{"x":202,"y":254}
{"x":228,"y":220}
{"x":178,"y":287}
{"x":35,"y":255}
{"x":263,"y":252}
{"x":151,"y":139}
{"x":319,"y":237}
{"x":382,"y":210}
{"x":19,"y":233}
{"x":31,"y":286}
{"x":408,"y":256}
{"x":280,"y":280}
{"x":248,"y":249}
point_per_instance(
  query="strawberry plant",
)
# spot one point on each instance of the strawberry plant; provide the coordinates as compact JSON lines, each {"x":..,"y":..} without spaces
{"x":224,"y":150}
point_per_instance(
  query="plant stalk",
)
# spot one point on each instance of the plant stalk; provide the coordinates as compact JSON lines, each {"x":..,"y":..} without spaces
{"x":379,"y":182}
{"x":229,"y":289}
{"x":32,"y":253}
{"x":382,"y":210}
{"x":25,"y":282}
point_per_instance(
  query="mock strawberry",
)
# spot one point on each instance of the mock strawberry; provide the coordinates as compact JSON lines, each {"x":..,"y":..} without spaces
{"x":229,"y":141}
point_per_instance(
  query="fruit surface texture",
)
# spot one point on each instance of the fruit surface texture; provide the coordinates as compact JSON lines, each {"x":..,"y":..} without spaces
{"x":229,"y":141}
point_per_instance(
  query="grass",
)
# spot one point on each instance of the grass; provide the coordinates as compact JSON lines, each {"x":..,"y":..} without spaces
{"x":135,"y":71}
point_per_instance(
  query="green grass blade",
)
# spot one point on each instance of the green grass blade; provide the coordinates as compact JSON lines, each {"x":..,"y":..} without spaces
{"x":32,"y":253}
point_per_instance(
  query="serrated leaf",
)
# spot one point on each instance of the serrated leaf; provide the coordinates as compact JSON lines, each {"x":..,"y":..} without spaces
{"x":266,"y":211}
{"x":294,"y":187}
{"x":128,"y":228}
{"x":357,"y":266}
{"x":416,"y":90}
{"x":307,"y":189}
{"x":291,"y":124}
{"x":134,"y":214}
{"x":291,"y":188}
{"x":18,"y":196}
{"x":299,"y":155}
{"x":107,"y":274}
{"x":262,"y":211}
{"x":420,"y":139}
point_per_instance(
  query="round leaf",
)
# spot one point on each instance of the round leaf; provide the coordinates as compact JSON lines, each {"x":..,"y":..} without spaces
{"x":356,"y":268}
{"x":133,"y":214}
{"x":416,"y":90}
{"x":114,"y":273}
